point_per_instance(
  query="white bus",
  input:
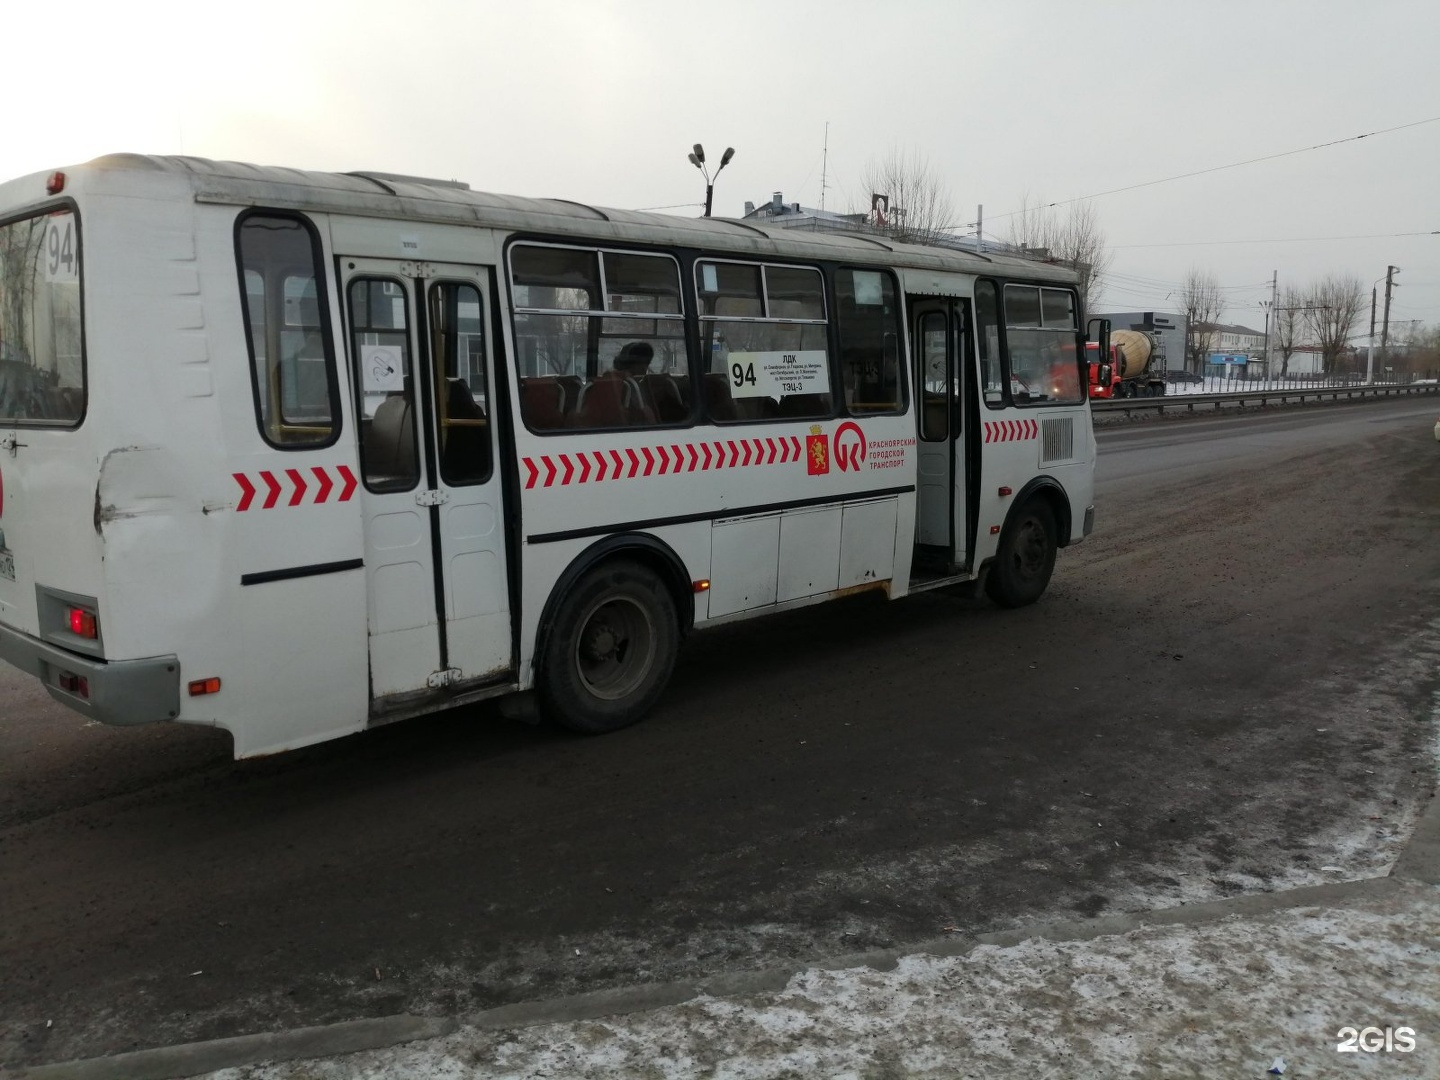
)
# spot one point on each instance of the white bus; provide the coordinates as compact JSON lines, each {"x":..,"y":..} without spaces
{"x":298,"y":454}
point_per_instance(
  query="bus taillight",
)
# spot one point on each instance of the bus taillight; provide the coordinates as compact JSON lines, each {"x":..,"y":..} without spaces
{"x":83,"y":623}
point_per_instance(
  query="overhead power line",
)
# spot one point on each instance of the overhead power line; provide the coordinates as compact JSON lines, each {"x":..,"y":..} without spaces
{"x":1217,"y":168}
{"x":1280,"y":240}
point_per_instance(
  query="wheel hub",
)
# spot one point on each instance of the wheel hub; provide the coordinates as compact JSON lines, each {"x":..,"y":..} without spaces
{"x":601,"y":642}
{"x":615,"y":648}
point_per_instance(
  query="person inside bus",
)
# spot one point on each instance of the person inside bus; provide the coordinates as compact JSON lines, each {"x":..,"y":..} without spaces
{"x":633,"y":360}
{"x":617,"y":398}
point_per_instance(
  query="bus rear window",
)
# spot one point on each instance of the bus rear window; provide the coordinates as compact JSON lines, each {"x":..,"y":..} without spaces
{"x":42,"y":356}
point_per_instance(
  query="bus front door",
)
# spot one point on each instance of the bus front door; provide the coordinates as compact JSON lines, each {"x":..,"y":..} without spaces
{"x":937,"y":332}
{"x":421,"y":352}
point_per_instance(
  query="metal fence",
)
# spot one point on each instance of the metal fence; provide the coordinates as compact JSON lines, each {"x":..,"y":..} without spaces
{"x":1255,"y":394}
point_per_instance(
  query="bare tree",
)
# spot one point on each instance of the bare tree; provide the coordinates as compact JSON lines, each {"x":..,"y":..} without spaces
{"x":907,"y":199}
{"x":1425,"y":356}
{"x":1074,"y":240}
{"x":1288,"y":327}
{"x":1203,"y":303}
{"x":1336,"y":301}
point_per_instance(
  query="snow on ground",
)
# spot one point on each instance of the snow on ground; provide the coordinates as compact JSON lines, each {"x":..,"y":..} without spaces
{"x":1212,"y":1000}
{"x":1223,"y":999}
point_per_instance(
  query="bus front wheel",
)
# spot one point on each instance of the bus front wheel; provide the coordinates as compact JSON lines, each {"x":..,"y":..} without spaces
{"x":610,"y":649}
{"x":1026,"y":557}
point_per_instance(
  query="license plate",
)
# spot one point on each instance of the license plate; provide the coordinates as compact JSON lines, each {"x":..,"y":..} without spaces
{"x":7,"y":565}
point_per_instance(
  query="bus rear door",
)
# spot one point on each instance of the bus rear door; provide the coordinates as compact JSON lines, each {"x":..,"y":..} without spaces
{"x":420,"y":342}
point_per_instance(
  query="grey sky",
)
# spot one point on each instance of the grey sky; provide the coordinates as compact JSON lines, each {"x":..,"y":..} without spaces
{"x":600,"y":101}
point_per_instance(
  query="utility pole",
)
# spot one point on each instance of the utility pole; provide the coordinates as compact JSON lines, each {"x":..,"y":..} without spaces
{"x":1390,"y":272}
{"x":1370,"y":350}
{"x":824,"y":164}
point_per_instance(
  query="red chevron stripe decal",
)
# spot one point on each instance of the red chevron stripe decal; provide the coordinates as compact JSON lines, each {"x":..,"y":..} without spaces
{"x":594,"y":466}
{"x":300,"y":488}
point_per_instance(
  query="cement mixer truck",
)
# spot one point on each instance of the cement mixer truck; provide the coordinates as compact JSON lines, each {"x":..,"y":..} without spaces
{"x":1134,"y":368}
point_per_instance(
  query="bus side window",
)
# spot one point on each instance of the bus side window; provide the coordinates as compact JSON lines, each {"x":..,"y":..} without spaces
{"x":288,"y":327}
{"x":593,"y":357}
{"x":462,"y":380}
{"x":763,"y":330}
{"x":1040,"y":329}
{"x":380,"y":332}
{"x":987,"y":343}
{"x":869,"y":328}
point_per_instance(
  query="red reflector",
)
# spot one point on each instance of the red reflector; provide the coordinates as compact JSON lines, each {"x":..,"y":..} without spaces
{"x":994,"y":529}
{"x":204,"y":686}
{"x":73,"y":684}
{"x":700,"y":586}
{"x":56,"y":183}
{"x":83,"y":623}
{"x":1005,"y":491}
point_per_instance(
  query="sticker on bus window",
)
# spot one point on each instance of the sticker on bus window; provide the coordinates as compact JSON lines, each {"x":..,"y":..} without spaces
{"x":61,"y":256}
{"x":383,"y":368}
{"x":869,"y":288}
{"x":775,"y":374}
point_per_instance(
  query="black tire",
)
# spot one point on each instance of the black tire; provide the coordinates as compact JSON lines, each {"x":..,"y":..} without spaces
{"x":610,"y":649}
{"x":1026,"y":556}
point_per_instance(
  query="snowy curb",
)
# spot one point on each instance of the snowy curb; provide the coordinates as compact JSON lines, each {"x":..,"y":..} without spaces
{"x":191,"y":1059}
{"x":1418,"y":867}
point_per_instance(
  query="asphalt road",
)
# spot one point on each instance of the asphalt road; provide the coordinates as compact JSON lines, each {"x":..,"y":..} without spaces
{"x":1227,"y":689}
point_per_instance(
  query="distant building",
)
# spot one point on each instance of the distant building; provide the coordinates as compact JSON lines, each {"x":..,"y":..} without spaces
{"x":1227,"y":365}
{"x":1305,"y":360}
{"x":1169,"y":325}
{"x":794,"y":216}
{"x":1233,"y":339}
{"x":777,"y":213}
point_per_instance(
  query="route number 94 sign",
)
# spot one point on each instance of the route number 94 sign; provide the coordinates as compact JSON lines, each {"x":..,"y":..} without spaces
{"x":775,"y":374}
{"x":61,"y":255}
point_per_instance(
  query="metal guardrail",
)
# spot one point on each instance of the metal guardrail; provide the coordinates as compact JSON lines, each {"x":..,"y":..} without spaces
{"x":1271,"y":396}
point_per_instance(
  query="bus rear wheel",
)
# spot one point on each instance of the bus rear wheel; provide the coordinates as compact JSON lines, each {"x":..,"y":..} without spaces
{"x":610,"y":649}
{"x":1026,"y":557}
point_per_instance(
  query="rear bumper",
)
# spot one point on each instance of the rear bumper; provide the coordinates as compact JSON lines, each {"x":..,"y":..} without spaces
{"x":121,"y":692}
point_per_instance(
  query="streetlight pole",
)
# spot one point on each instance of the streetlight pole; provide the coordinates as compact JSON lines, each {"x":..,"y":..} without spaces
{"x":1265,"y":306}
{"x":697,"y":158}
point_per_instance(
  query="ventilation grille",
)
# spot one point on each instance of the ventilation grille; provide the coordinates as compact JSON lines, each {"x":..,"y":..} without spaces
{"x":1057,"y":439}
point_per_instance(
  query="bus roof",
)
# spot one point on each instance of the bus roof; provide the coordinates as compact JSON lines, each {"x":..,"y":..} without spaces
{"x":389,"y":195}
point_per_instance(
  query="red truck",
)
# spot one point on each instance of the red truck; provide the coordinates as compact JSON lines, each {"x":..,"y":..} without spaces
{"x":1135,"y":367}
